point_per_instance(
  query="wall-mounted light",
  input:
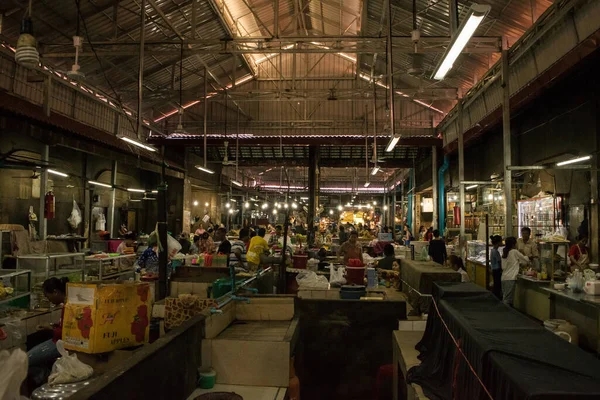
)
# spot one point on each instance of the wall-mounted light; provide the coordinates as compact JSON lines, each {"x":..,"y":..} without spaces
{"x":55,"y":172}
{"x":100,"y":184}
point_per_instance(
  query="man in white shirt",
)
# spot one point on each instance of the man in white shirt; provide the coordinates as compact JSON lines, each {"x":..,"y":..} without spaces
{"x":526,"y":245}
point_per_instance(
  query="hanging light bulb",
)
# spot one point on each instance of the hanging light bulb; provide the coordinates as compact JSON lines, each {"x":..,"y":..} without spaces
{"x":227,"y":205}
{"x":285,"y":205}
{"x":206,"y":204}
{"x":274,"y":211}
{"x":294,"y":205}
{"x":231,"y":211}
{"x":330,"y":212}
{"x":246,"y":205}
{"x":340,"y":208}
{"x":27,"y":53}
{"x":195,"y":202}
{"x":385,"y":208}
{"x":265,"y":205}
{"x":374,"y":203}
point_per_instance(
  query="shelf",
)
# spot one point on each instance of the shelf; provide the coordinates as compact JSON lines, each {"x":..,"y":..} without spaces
{"x":60,"y":272}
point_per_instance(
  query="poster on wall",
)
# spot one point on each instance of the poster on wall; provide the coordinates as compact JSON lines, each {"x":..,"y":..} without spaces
{"x":427,"y":205}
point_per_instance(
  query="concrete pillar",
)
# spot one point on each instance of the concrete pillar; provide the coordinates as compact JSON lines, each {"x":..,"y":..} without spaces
{"x":113,"y":198}
{"x":508,"y":221}
{"x":43,"y":231}
{"x":313,"y":189}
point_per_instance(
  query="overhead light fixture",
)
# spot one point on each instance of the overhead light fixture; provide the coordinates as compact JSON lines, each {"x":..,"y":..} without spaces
{"x":264,"y":206}
{"x":340,"y":208}
{"x":375,"y":170}
{"x":274,"y":211}
{"x":246,"y":205}
{"x":195,"y":202}
{"x":236,"y":183}
{"x":392,"y":143}
{"x":471,"y":187}
{"x":303,"y":198}
{"x":26,"y":53}
{"x":136,"y":190}
{"x":100,"y":184}
{"x":285,"y":205}
{"x":154,"y":191}
{"x":360,"y":206}
{"x":136,"y":200}
{"x":465,"y":31}
{"x":490,"y":196}
{"x":135,"y":142}
{"x":204,"y":169}
{"x":55,"y":172}
{"x":231,"y":211}
{"x":294,"y":205}
{"x":385,"y":208}
{"x":559,"y":164}
{"x":228,"y":205}
{"x":206,"y":204}
{"x":330,"y":212}
{"x":367,"y":183}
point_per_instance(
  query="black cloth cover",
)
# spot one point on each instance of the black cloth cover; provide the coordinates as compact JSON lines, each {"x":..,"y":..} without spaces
{"x":515,"y":357}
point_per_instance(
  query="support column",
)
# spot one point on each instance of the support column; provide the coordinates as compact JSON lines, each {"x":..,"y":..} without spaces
{"x":187,"y":195}
{"x":453,"y":11}
{"x":508,"y":220}
{"x":594,"y":218}
{"x":141,"y":68}
{"x":434,"y":185}
{"x":162,"y":236}
{"x":43,"y":231}
{"x":313,"y":190}
{"x":461,"y":167}
{"x":113,"y":199}
{"x":392,"y":212}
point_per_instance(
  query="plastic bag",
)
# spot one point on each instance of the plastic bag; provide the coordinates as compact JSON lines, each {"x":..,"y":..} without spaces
{"x":310,"y":280}
{"x":68,"y":368}
{"x":336,"y":276}
{"x":75,"y":219}
{"x":13,"y":370}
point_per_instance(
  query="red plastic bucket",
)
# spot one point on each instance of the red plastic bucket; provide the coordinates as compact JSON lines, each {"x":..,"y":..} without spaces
{"x":355,"y":275}
{"x":300,"y":261}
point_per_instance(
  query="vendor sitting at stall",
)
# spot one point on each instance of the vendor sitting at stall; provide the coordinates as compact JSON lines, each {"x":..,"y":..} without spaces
{"x":239,"y":248}
{"x":387,"y":262}
{"x":203,"y":243}
{"x":527,"y":246}
{"x":578,"y":255}
{"x":127,"y":247}
{"x":274,"y":239}
{"x":351,"y":249}
{"x":258,"y":252}
{"x":42,"y":357}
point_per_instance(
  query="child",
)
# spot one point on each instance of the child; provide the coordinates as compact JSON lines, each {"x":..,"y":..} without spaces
{"x":496,"y":261}
{"x":511,"y":258}
{"x":456,"y":263}
{"x":42,"y":357}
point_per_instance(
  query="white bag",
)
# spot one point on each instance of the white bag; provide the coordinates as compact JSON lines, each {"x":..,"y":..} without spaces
{"x":75,"y":219}
{"x":336,"y":276}
{"x":68,"y":368}
{"x":310,"y":280}
{"x":13,"y":370}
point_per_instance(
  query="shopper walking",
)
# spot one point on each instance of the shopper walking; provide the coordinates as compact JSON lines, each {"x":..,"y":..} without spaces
{"x":496,"y":261}
{"x":511,"y":259}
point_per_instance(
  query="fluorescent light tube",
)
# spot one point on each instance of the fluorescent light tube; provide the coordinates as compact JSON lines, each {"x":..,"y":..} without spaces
{"x":135,"y":142}
{"x":375,"y":170}
{"x":54,"y":172}
{"x":100,"y":184}
{"x":559,"y":164}
{"x":136,"y":190}
{"x":236,"y":183}
{"x":367,"y":184}
{"x":154,"y":191}
{"x":471,"y":187}
{"x":392,"y":143}
{"x":208,"y":171}
{"x":467,"y":28}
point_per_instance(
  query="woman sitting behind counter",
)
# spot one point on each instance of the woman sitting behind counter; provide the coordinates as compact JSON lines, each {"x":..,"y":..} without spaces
{"x":351,"y":249}
{"x":578,"y":255}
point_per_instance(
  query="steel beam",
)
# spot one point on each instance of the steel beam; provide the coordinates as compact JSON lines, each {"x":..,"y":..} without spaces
{"x":324,"y":162}
{"x":506,"y":141}
{"x":461,"y":168}
{"x":141,"y":69}
{"x":292,"y":140}
{"x":113,"y":198}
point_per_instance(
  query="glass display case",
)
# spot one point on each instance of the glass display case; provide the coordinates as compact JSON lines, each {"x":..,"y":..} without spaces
{"x":110,"y":267}
{"x":44,"y":266}
{"x":541,"y":214}
{"x":15,"y":288}
{"x":476,"y":251}
{"x":553,"y":259}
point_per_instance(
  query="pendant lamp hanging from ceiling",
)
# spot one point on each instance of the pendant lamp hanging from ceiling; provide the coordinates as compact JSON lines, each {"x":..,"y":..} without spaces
{"x":179,"y":130}
{"x":27,"y":53}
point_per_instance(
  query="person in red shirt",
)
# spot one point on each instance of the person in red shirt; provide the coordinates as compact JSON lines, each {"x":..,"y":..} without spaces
{"x":42,"y":357}
{"x":578,"y":255}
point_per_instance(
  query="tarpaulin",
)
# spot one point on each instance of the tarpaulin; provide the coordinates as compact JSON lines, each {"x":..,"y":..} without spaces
{"x":503,"y":354}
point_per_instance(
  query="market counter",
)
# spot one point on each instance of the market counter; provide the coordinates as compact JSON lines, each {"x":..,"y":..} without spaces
{"x":580,"y":309}
{"x":531,"y":299}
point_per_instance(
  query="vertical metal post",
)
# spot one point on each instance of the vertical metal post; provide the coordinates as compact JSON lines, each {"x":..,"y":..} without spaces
{"x":594,"y":214}
{"x":141,"y":67}
{"x":113,"y":198}
{"x":162,"y":235}
{"x":276,"y":18}
{"x":508,"y":221}
{"x":47,"y":95}
{"x":194,"y":18}
{"x":453,"y":17}
{"x":434,"y":185}
{"x":390,"y":71}
{"x":43,"y":231}
{"x":313,"y":165}
{"x":205,"y":116}
{"x":461,"y":166}
{"x":392,"y":211}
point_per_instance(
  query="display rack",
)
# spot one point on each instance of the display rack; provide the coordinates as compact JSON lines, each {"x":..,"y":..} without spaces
{"x":548,"y":257}
{"x":478,"y":256}
{"x":20,"y":283}
{"x":540,"y":214}
{"x":109,"y":267}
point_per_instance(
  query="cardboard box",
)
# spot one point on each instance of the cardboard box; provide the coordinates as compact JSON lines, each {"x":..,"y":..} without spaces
{"x":102,"y":317}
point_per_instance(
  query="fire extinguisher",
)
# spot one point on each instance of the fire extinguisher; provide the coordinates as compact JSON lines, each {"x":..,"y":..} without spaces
{"x":49,"y":206}
{"x":456,"y":215}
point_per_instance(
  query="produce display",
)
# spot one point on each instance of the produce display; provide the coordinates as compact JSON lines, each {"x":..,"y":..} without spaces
{"x":5,"y":291}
